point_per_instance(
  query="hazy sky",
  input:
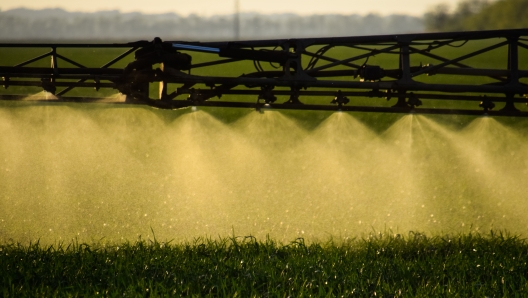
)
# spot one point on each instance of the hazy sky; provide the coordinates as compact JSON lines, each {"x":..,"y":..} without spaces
{"x":210,"y":7}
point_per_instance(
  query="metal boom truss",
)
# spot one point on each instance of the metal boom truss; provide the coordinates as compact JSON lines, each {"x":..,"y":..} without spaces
{"x":437,"y":73}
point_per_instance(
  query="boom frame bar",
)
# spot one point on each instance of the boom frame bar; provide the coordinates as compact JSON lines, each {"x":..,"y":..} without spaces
{"x":324,"y":76}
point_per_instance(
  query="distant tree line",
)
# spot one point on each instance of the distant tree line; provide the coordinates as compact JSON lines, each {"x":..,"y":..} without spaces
{"x":57,"y":24}
{"x":478,"y":15}
{"x":20,"y":24}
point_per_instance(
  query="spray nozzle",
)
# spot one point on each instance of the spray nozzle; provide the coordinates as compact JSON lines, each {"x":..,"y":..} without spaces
{"x":340,"y":99}
{"x":195,"y":96}
{"x":486,"y":104}
{"x":47,"y":85}
{"x":267,"y":94}
{"x":413,"y":101}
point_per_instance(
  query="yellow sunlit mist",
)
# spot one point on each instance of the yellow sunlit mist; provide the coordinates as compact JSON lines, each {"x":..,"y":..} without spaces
{"x":42,"y":95}
{"x":92,"y":172}
{"x":483,"y":168}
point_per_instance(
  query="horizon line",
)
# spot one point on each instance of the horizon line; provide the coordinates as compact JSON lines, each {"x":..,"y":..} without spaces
{"x":119,"y":11}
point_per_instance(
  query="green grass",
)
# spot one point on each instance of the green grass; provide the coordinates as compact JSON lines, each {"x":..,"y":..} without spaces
{"x":381,"y":265}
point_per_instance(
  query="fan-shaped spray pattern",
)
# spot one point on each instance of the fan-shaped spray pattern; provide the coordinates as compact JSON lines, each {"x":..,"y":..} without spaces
{"x":89,"y":171}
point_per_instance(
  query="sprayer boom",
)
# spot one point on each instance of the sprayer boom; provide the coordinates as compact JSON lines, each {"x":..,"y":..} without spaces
{"x":474,"y":73}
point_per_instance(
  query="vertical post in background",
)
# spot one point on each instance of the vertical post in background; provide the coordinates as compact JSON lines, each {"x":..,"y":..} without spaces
{"x":237,"y":19}
{"x":162,"y":85}
{"x":513,"y":67}
{"x":54,"y":63}
{"x":405,"y":74}
{"x":50,"y":84}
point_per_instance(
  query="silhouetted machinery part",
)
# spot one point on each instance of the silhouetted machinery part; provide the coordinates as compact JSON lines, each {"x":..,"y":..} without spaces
{"x":473,"y":73}
{"x":138,"y":74}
